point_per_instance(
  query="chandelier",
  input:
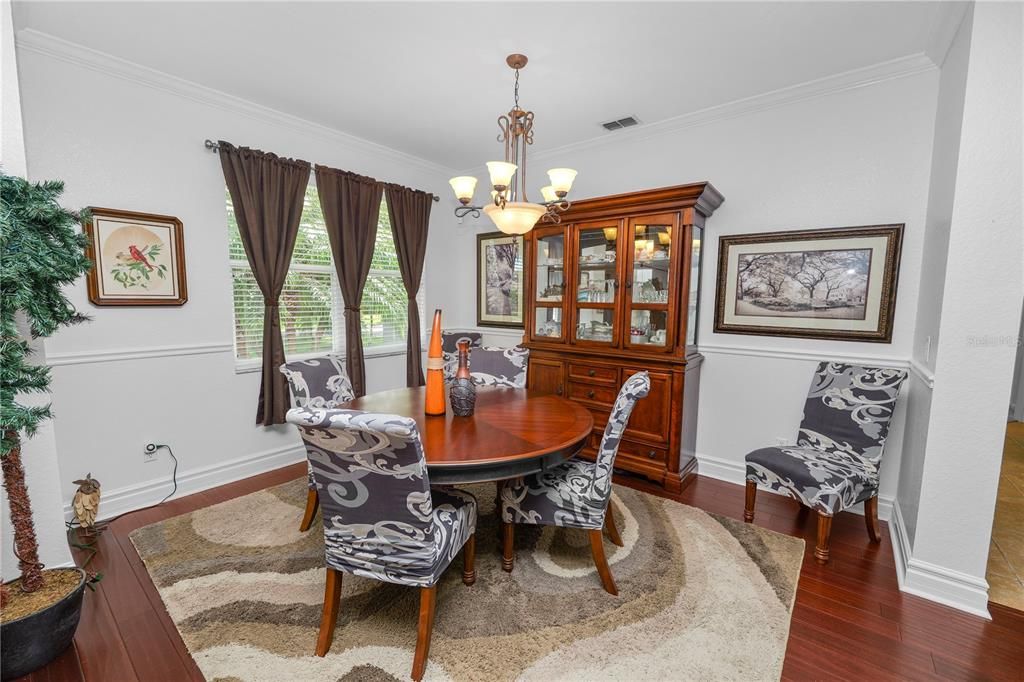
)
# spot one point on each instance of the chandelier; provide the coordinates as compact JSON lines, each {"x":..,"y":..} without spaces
{"x":509,"y":208}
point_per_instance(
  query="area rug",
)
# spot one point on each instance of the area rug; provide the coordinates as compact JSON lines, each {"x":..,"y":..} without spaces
{"x":700,"y":597}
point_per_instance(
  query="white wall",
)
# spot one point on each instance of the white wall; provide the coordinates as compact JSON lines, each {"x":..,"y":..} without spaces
{"x":950,"y":508}
{"x":39,"y":453}
{"x":855,"y":157}
{"x":125,"y":137}
{"x":945,"y":152}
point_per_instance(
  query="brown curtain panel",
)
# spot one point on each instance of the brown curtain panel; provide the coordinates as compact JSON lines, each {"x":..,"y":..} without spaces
{"x":410,"y":219}
{"x":351,"y":205}
{"x":267,"y":193}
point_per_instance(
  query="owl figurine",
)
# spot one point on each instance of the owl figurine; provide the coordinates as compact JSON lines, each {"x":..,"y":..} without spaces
{"x":87,"y":502}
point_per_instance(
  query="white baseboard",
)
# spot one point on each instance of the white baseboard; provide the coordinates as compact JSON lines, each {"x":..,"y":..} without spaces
{"x":735,"y":472}
{"x":141,"y":495}
{"x":931,"y":581}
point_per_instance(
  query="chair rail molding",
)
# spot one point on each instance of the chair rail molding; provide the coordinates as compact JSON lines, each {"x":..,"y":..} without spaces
{"x":931,"y":581}
{"x":916,"y":368}
{"x":125,"y":354}
{"x":31,"y":40}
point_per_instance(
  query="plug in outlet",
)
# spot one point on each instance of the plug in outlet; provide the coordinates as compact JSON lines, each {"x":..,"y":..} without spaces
{"x":782,"y":441}
{"x":149,"y":453}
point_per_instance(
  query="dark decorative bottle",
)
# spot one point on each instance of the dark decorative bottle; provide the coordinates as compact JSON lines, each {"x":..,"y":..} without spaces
{"x":463,"y":391}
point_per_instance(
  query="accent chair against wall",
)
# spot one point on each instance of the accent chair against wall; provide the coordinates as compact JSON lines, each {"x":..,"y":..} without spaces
{"x":576,"y":493}
{"x":834,"y":464}
{"x":381,"y":518}
{"x":318,"y":382}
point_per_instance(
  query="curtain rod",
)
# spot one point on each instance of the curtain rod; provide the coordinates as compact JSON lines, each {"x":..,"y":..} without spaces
{"x":214,"y":147}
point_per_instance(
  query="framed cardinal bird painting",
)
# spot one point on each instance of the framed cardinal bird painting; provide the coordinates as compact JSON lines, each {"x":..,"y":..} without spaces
{"x":138,"y":258}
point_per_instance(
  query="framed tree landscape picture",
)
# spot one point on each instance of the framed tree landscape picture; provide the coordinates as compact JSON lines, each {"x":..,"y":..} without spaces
{"x":835,"y":283}
{"x":499,"y":275}
{"x":138,"y":258}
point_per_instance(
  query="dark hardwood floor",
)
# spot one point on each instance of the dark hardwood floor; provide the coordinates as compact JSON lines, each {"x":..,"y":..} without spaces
{"x":850,"y":620}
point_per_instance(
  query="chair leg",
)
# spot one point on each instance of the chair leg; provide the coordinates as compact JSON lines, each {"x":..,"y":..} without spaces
{"x":508,"y":551}
{"x":609,"y":524}
{"x":469,"y":561}
{"x":748,"y":506}
{"x":428,"y":599}
{"x":597,"y":549}
{"x":871,"y":518}
{"x":312,"y":503}
{"x":824,"y":529}
{"x":332,"y":602}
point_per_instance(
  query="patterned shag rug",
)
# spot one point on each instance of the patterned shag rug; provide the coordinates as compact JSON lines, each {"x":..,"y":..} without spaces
{"x":700,"y":597}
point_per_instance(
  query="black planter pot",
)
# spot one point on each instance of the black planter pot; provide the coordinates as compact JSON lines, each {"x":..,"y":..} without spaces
{"x":31,"y":642}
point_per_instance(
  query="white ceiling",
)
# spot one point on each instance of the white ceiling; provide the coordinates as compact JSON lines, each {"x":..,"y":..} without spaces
{"x":429,"y":79}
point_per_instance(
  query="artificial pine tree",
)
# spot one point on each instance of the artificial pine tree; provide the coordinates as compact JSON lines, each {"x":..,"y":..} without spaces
{"x":40,"y":251}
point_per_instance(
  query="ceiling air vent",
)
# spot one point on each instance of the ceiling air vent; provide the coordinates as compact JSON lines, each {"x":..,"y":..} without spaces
{"x":620,"y":123}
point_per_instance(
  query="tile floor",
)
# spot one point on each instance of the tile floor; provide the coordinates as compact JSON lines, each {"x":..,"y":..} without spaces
{"x":1006,"y":555}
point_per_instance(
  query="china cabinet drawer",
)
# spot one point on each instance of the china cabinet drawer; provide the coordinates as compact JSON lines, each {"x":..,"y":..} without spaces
{"x":641,"y":451}
{"x":603,"y":395}
{"x":594,"y":374}
{"x":630,"y":450}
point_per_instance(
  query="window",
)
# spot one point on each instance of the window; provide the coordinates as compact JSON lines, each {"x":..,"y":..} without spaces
{"x":311,"y":306}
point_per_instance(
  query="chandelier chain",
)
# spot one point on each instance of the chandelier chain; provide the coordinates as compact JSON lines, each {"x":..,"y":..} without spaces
{"x":517,"y":89}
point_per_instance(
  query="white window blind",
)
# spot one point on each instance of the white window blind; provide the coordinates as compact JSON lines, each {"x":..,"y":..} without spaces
{"x":311,"y":305}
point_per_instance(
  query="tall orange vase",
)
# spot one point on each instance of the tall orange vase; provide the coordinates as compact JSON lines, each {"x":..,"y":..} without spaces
{"x":435,"y":370}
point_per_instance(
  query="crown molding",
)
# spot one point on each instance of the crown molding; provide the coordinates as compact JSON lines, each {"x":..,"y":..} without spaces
{"x":31,"y":40}
{"x":882,"y":72}
{"x":943,"y":31}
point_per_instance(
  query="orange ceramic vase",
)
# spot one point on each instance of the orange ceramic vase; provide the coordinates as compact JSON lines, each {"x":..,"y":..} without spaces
{"x":435,"y":370}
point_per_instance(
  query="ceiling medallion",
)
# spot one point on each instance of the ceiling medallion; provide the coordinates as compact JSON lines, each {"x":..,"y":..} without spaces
{"x":510,"y":210}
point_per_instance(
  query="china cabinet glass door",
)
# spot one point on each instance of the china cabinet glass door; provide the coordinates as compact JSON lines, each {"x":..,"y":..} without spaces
{"x":549,"y":284}
{"x":693,"y":292}
{"x":651,"y":280}
{"x":597,"y":283}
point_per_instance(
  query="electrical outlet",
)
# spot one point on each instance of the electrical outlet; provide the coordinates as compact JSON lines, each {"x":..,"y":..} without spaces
{"x":782,"y":441}
{"x":149,"y":454}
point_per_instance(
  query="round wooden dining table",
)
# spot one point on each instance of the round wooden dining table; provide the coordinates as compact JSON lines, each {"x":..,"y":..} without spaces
{"x":513,"y":432}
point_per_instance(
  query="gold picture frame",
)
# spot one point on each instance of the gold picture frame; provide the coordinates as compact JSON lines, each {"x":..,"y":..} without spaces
{"x":138,"y":258}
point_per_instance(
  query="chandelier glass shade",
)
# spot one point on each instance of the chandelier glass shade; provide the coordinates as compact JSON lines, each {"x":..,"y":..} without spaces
{"x":510,"y":209}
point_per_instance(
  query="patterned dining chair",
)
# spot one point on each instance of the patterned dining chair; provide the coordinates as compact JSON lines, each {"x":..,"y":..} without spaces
{"x":317,"y":382}
{"x":493,"y":366}
{"x":450,"y":349}
{"x":834,"y":464}
{"x":381,"y":518}
{"x":575,"y":493}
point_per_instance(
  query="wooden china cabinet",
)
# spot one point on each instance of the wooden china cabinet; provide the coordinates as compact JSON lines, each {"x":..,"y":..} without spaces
{"x":611,"y":291}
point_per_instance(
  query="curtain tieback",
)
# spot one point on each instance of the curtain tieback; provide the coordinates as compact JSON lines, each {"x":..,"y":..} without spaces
{"x":352,"y":309}
{"x":270,"y":303}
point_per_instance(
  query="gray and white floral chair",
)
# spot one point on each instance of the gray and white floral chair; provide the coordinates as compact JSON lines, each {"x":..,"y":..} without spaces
{"x":834,"y":464}
{"x":576,"y":493}
{"x":381,"y":518}
{"x":493,"y":366}
{"x":450,"y":349}
{"x":317,"y":382}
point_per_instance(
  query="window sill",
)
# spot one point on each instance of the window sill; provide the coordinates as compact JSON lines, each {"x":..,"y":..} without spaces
{"x":256,"y":364}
